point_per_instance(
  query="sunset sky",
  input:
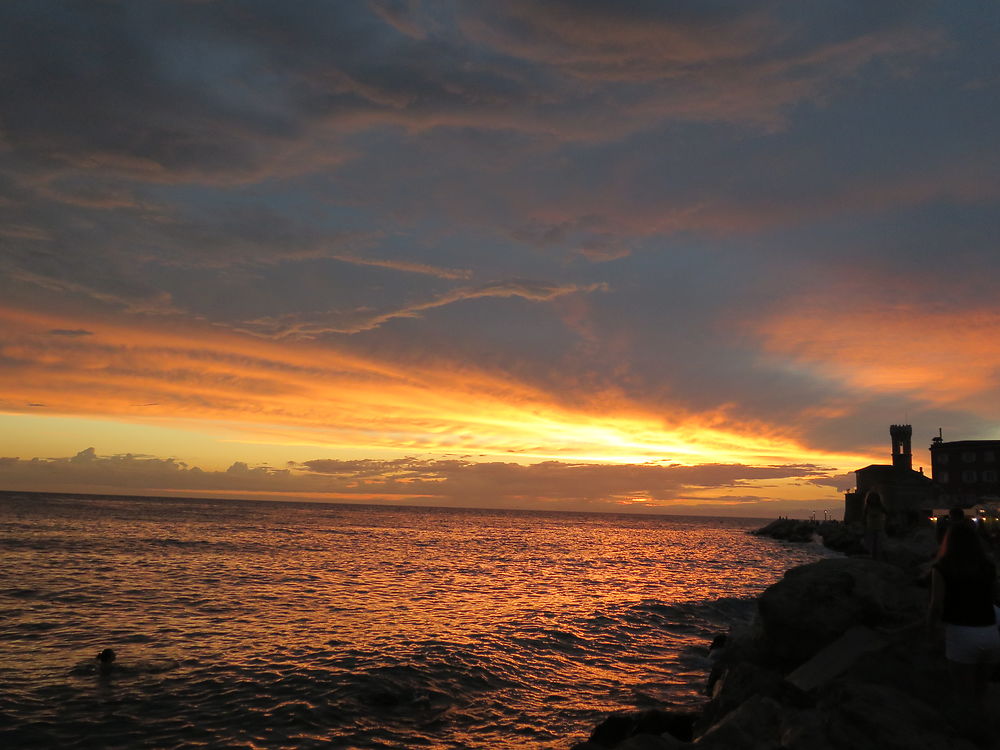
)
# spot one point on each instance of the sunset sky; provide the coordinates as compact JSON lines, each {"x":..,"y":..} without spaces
{"x":680,"y":257}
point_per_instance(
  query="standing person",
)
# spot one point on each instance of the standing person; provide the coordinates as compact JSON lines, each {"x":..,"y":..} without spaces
{"x":874,"y":518}
{"x":962,"y":581}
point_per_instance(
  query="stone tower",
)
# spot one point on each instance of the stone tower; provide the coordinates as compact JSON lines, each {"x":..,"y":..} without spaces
{"x":902,"y":457}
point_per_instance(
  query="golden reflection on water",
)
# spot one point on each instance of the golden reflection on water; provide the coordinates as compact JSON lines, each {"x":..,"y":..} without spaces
{"x":448,"y":627}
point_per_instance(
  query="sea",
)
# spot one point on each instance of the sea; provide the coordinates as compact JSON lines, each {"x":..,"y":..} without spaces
{"x":245,"y":624}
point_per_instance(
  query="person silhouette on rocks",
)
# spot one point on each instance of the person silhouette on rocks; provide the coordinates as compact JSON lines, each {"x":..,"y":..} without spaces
{"x":962,"y":586}
{"x":874,"y":520}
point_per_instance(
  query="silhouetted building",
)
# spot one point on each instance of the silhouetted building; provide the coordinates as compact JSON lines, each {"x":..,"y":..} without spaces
{"x":902,"y":453}
{"x":907,"y":495}
{"x":965,"y":472}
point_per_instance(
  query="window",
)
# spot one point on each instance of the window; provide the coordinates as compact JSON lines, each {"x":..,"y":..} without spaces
{"x":969,"y":457}
{"x":989,"y":475}
{"x":989,"y":456}
{"x":968,"y":476}
{"x":942,"y":459}
{"x":943,"y":477}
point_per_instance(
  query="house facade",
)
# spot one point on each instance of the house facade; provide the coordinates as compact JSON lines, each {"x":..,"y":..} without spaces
{"x":965,"y":472}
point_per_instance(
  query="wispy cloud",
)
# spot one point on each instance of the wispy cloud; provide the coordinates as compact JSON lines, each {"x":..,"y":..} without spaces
{"x":356,"y":321}
{"x":123,"y":294}
{"x":408,"y":267}
{"x":72,"y":332}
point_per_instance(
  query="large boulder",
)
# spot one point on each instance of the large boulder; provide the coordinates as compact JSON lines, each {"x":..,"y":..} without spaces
{"x":812,"y":605}
{"x":910,"y":662}
{"x":741,"y":682}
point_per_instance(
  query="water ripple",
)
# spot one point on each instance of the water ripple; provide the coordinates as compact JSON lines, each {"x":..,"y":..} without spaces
{"x":269,"y":625}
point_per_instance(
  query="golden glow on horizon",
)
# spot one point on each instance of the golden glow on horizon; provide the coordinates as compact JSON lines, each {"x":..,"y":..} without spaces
{"x":197,"y":377}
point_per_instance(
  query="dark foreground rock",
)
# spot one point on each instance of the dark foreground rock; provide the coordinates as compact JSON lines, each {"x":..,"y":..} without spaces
{"x":837,"y":659}
{"x":815,"y":604}
{"x":622,"y":726}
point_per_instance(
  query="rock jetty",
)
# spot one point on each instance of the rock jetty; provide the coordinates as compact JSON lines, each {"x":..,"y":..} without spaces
{"x":833,"y":534}
{"x":837,"y":658}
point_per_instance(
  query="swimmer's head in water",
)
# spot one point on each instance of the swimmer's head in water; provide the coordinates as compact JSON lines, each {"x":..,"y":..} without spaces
{"x":106,"y":656}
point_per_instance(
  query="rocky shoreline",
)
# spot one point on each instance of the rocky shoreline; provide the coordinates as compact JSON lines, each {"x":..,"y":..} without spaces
{"x":835,"y":535}
{"x":837,"y":658}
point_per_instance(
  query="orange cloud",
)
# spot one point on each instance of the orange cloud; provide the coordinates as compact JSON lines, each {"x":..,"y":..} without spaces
{"x":943,"y":357}
{"x":310,"y":393}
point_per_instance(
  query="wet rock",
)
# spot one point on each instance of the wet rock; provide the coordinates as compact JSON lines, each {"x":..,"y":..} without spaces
{"x":742,"y":682}
{"x":755,"y":725}
{"x":614,"y":729}
{"x":678,"y":724}
{"x":738,"y":683}
{"x":743,"y":645}
{"x":626,"y":724}
{"x":842,"y":537}
{"x":789,"y":530}
{"x":835,"y":535}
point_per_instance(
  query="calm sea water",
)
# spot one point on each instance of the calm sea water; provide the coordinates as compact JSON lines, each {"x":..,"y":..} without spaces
{"x":247,"y":624}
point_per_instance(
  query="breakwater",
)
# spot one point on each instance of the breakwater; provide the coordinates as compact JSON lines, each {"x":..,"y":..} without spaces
{"x":837,"y":657}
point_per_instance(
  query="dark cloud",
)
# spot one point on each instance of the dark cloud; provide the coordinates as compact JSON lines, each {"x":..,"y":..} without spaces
{"x":233,"y":92}
{"x":128,"y":471}
{"x":840,"y":482}
{"x":550,"y":479}
{"x":449,"y":482}
{"x":71,"y":332}
{"x":149,"y":92}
